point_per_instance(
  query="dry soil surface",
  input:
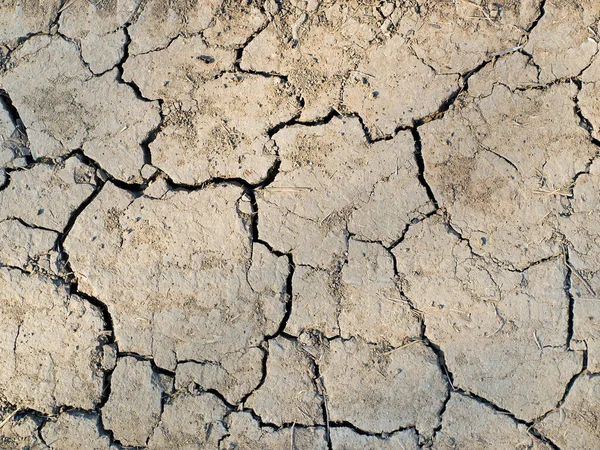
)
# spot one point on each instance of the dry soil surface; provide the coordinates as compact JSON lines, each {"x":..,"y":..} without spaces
{"x":299,"y":224}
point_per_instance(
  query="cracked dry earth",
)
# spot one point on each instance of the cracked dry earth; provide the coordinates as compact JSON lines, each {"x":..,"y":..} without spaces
{"x":303,"y":225}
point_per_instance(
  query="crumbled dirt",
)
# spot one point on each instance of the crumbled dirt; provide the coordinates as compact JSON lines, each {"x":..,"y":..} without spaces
{"x":306,"y":225}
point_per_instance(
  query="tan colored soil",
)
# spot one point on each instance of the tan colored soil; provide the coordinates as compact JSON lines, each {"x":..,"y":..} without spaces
{"x":299,"y":224}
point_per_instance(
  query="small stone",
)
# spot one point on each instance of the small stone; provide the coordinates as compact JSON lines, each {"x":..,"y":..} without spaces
{"x":109,"y":356}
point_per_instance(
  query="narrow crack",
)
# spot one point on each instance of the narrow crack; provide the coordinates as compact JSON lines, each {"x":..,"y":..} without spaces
{"x":446,"y":374}
{"x":568,"y":387}
{"x":295,"y":121}
{"x":263,"y":376}
{"x":453,"y":388}
{"x":55,"y":24}
{"x":586,"y":124}
{"x":536,"y":21}
{"x":27,"y":225}
{"x":322,"y":391}
{"x":109,"y":337}
{"x":152,"y":135}
{"x":19,"y":141}
{"x":289,"y":297}
{"x":567,"y":288}
{"x":119,"y":66}
{"x":239,"y":52}
{"x":94,"y":412}
{"x":530,"y":426}
{"x":421,"y":166}
{"x":359,"y":431}
{"x":253,"y":225}
{"x":149,"y":359}
{"x":437,"y":115}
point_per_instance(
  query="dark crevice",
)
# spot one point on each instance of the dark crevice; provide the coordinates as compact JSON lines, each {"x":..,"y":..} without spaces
{"x":446,"y":374}
{"x":152,"y":135}
{"x":86,"y":413}
{"x":369,"y":137}
{"x":4,"y":179}
{"x":320,"y":388}
{"x":160,"y":48}
{"x":538,"y":18}
{"x":406,"y":229}
{"x":17,"y":268}
{"x":441,"y":111}
{"x":421,"y":166}
{"x":40,"y":436}
{"x":107,"y":318}
{"x":440,"y":357}
{"x":54,"y":161}
{"x":313,"y":123}
{"x":77,"y":45}
{"x":359,"y":431}
{"x":37,"y":416}
{"x":21,"y":140}
{"x":530,"y":265}
{"x":101,"y":174}
{"x":289,"y":299}
{"x":104,"y":176}
{"x":541,"y":86}
{"x":568,"y":387}
{"x":13,"y":114}
{"x":584,"y":123}
{"x":571,"y":307}
{"x":119,"y":66}
{"x":164,"y":398}
{"x":446,"y":104}
{"x":261,"y":423}
{"x":453,"y":388}
{"x":239,"y":52}
{"x":225,"y":436}
{"x":59,"y":247}
{"x":155,"y":368}
{"x":530,"y":426}
{"x":28,"y":225}
{"x":503,"y":158}
{"x":109,"y":337}
{"x":238,"y":60}
{"x":61,"y":8}
{"x":263,"y":377}
{"x":271,"y":174}
{"x":219,"y":181}
{"x":489,"y":259}
{"x":531,"y":61}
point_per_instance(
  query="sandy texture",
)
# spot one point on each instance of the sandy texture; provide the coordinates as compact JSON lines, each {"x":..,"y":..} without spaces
{"x":304,"y":224}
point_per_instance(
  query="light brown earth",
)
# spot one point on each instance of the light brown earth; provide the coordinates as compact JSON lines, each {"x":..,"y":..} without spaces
{"x":303,"y":224}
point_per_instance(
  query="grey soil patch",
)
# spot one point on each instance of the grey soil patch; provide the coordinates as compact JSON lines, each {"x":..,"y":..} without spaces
{"x":305,"y":225}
